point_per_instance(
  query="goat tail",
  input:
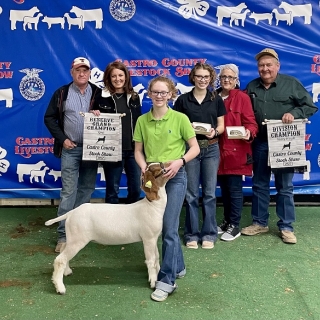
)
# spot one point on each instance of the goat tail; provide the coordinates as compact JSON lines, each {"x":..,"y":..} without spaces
{"x":52,"y":221}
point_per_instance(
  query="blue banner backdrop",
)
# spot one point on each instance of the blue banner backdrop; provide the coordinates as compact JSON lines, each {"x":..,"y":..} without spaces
{"x":41,"y":38}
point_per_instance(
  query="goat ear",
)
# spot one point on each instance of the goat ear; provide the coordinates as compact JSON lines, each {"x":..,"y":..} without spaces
{"x":150,"y":186}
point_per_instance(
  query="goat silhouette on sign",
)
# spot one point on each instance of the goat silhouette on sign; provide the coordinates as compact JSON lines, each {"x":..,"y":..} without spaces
{"x":101,"y":139}
{"x":287,"y":145}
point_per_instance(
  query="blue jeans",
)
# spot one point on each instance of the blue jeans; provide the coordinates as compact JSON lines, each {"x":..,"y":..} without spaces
{"x":204,"y":167}
{"x":172,"y":257}
{"x":232,"y":197}
{"x":113,"y":173}
{"x":261,"y":190}
{"x":78,"y":183}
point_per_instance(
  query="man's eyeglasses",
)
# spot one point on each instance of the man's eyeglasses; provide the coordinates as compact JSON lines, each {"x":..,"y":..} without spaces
{"x":156,"y":93}
{"x":229,"y":78}
{"x":202,"y":77}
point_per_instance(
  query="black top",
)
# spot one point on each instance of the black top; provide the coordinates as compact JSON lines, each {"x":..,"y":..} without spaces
{"x":285,"y":95}
{"x":207,"y":111}
{"x":131,"y":107}
{"x":125,"y":121}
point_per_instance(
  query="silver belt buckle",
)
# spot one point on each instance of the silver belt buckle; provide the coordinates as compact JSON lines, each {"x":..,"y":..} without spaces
{"x":203,"y":143}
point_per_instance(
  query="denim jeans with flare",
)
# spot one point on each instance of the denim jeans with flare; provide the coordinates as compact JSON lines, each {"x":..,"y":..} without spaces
{"x":202,"y":169}
{"x":261,"y":190}
{"x":172,"y":257}
{"x":113,"y":173}
{"x":78,"y":183}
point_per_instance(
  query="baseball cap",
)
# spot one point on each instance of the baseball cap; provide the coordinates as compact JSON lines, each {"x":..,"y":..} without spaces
{"x":267,"y":51}
{"x":80,"y":62}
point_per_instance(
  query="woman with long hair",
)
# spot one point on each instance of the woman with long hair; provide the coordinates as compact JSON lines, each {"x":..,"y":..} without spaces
{"x":118,"y":96}
{"x":202,"y":105}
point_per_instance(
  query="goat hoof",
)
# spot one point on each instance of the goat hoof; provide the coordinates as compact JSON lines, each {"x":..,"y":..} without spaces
{"x":61,"y":293}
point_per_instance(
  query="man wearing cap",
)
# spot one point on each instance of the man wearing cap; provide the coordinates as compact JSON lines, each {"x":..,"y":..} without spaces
{"x":64,"y":120}
{"x":278,"y":97}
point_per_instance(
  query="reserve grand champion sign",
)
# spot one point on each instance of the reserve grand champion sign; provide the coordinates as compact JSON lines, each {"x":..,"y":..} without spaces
{"x":102,"y":137}
{"x":286,"y":143}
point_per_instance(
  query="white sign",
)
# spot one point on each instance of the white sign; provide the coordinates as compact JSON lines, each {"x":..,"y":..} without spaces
{"x":286,"y":143}
{"x":102,"y":139}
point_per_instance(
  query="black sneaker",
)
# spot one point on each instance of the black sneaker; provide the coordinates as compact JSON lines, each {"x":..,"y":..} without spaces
{"x":222,"y":227}
{"x":231,"y":233}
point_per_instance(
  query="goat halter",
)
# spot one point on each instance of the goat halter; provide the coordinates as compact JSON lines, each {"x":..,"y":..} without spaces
{"x":163,"y":169}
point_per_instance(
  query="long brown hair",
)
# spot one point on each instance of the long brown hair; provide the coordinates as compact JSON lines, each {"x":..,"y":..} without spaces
{"x":127,"y":84}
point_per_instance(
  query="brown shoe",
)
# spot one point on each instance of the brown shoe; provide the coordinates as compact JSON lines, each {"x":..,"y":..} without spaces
{"x":207,"y":245}
{"x":254,"y":229}
{"x":59,"y":247}
{"x":288,"y":236}
{"x":192,"y":245}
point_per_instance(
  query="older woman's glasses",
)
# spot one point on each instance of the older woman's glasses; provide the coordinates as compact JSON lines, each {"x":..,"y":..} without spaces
{"x":198,"y":77}
{"x":161,"y":93}
{"x":229,"y":78}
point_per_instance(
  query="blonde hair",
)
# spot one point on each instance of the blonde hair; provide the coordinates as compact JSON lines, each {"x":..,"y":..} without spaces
{"x":170,"y":84}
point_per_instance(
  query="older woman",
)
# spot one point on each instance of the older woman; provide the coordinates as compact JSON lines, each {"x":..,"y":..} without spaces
{"x":235,"y":154}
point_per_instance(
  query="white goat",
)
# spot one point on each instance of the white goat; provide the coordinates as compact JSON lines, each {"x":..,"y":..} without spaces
{"x":283,"y":17}
{"x":35,"y":174}
{"x":235,"y":16}
{"x":115,"y":224}
{"x":29,"y":21}
{"x":78,"y":21}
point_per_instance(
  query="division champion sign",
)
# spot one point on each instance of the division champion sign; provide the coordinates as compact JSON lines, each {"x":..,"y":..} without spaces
{"x":102,"y":139}
{"x":286,"y":144}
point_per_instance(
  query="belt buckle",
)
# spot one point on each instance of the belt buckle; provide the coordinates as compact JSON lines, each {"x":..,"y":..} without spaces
{"x":203,"y":143}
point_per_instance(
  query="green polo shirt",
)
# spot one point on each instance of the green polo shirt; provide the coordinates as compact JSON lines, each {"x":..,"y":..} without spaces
{"x":285,"y":95}
{"x":163,"y":140}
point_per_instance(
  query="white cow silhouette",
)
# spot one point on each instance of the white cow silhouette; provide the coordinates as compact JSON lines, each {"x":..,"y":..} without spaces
{"x":182,"y":88}
{"x":7,"y":94}
{"x":141,"y":95}
{"x":18,"y":15}
{"x":23,"y":168}
{"x":300,"y":10}
{"x":138,"y":87}
{"x":89,"y":15}
{"x":102,"y":176}
{"x":315,"y":91}
{"x":225,"y":12}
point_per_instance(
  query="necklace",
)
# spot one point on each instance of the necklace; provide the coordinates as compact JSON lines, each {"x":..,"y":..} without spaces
{"x":118,"y":97}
